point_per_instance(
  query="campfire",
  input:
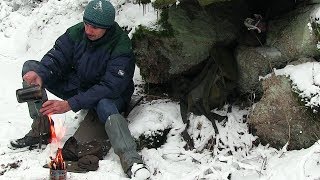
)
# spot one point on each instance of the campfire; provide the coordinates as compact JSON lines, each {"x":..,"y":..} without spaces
{"x":57,"y":165}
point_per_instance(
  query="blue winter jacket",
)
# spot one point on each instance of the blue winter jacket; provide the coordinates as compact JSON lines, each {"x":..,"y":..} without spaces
{"x":100,"y":69}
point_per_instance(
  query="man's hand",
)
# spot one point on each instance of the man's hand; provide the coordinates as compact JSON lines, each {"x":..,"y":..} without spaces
{"x":32,"y":77}
{"x":55,"y":107}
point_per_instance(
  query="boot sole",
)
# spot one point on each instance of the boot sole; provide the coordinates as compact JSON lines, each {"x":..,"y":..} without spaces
{"x":27,"y":148}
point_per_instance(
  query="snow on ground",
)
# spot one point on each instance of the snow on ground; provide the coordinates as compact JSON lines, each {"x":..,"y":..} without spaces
{"x":27,"y":31}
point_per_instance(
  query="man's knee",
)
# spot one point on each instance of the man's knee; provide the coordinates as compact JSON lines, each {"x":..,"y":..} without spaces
{"x":29,"y":65}
{"x":105,"y":108}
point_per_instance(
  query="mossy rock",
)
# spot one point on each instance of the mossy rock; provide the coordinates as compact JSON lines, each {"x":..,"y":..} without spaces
{"x":185,"y":41}
{"x":291,"y":35}
{"x":279,"y":117}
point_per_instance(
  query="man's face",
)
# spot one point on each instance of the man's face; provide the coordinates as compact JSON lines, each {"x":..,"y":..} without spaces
{"x":93,"y":33}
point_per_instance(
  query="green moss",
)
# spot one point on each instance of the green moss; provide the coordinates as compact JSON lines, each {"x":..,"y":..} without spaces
{"x":313,"y":116}
{"x":160,"y":4}
{"x":163,"y":21}
{"x":316,"y":29}
{"x":143,"y":1}
{"x":208,"y":2}
{"x":166,"y":31}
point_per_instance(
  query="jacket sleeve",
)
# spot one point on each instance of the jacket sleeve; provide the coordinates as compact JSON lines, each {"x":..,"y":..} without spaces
{"x":118,"y":75}
{"x":57,"y":60}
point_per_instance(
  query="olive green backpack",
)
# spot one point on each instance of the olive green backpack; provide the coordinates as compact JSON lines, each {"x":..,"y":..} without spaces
{"x":209,"y":89}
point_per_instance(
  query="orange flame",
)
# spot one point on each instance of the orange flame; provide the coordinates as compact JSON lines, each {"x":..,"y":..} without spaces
{"x":58,"y":161}
{"x":59,"y":157}
{"x":56,"y":136}
{"x":52,"y":130}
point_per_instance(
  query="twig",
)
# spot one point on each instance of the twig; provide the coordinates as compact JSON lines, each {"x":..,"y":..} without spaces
{"x":258,"y":39}
{"x":263,"y":166}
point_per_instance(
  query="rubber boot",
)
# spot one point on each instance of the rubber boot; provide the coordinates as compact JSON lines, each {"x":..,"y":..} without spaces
{"x":122,"y":142}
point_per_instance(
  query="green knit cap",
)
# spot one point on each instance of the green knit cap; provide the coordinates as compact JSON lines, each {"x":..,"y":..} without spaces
{"x":99,"y":13}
